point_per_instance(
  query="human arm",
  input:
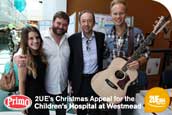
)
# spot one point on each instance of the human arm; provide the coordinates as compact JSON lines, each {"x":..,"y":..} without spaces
{"x":21,"y":61}
{"x":141,"y":49}
{"x":136,"y":64}
{"x":22,"y":70}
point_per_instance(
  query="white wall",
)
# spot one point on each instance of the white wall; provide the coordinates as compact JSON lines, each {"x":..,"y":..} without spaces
{"x":44,"y":11}
{"x":34,"y":10}
{"x":50,"y":7}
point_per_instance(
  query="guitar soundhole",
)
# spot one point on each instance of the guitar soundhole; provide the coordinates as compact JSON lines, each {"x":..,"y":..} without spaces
{"x":119,"y":74}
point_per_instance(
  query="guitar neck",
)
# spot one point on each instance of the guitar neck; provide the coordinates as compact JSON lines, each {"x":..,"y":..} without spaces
{"x":140,"y":49}
{"x":163,"y":21}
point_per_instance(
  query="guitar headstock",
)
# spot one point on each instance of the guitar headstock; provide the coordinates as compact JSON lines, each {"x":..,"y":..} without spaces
{"x":162,"y":22}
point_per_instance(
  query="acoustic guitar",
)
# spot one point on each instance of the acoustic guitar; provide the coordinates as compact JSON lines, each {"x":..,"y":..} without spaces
{"x":114,"y":81}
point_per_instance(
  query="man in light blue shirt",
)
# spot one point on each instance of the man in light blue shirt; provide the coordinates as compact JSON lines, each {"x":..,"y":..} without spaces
{"x":86,"y":58}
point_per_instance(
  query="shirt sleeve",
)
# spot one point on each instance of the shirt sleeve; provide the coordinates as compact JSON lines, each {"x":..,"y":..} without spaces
{"x":139,"y":41}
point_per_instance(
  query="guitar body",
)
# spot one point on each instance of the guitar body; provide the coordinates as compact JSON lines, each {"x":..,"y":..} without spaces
{"x":113,"y":82}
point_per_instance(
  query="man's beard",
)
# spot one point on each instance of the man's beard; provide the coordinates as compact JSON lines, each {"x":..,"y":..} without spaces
{"x":62,"y":32}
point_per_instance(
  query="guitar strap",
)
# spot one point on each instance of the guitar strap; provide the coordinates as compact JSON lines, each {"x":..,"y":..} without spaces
{"x":130,"y":41}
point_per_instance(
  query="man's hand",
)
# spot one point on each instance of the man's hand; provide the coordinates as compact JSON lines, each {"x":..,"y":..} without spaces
{"x":70,"y":91}
{"x":20,"y":60}
{"x":134,"y":65}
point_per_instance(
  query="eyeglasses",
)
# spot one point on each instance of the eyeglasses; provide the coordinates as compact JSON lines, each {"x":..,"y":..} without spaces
{"x":88,"y":45}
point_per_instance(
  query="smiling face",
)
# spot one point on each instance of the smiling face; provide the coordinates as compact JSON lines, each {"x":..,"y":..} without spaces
{"x":87,"y":22}
{"x":60,"y":26}
{"x":34,"y":41}
{"x":118,"y":13}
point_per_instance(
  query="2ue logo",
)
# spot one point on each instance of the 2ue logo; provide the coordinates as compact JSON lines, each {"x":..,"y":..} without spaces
{"x":17,"y":102}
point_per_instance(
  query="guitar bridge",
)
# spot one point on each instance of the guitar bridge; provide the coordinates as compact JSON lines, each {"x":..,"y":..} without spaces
{"x":111,"y":84}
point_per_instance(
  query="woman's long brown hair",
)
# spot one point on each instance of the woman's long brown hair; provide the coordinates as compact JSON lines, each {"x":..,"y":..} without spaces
{"x":31,"y":66}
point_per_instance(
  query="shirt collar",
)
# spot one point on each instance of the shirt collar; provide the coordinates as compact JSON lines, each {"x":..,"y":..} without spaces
{"x":47,"y":34}
{"x":92,"y":36}
{"x":113,"y":31}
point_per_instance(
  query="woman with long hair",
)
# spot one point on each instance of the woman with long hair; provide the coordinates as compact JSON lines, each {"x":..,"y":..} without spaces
{"x":32,"y":79}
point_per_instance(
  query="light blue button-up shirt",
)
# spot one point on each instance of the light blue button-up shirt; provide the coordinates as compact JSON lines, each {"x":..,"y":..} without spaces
{"x":89,"y":48}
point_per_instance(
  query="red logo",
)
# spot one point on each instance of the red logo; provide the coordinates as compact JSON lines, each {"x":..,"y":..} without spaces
{"x":17,"y":102}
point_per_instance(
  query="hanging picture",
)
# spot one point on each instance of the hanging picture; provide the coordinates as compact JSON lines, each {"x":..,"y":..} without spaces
{"x":153,"y":66}
{"x":104,"y":22}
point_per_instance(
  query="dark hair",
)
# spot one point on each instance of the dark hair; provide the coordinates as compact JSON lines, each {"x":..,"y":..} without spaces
{"x":26,"y":50}
{"x":61,"y":14}
{"x":87,"y":11}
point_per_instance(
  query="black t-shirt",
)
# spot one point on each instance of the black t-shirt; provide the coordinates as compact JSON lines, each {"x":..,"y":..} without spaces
{"x":36,"y":86}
